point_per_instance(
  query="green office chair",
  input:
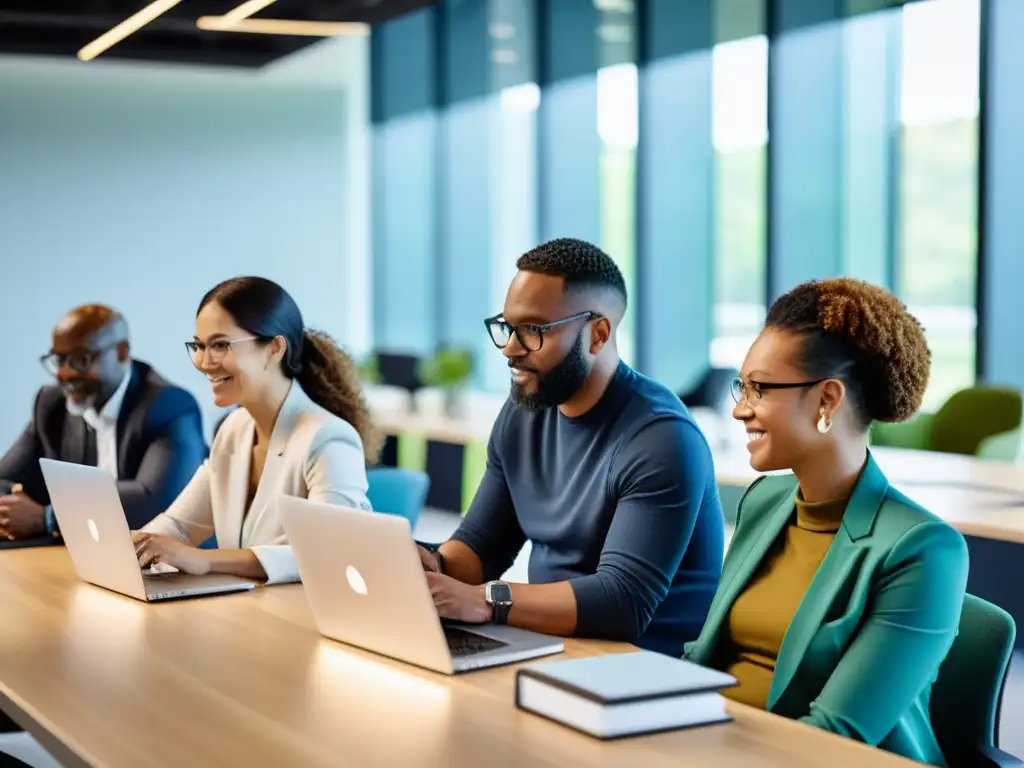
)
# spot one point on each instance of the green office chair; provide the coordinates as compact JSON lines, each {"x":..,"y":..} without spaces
{"x":914,"y":433}
{"x":966,"y":423}
{"x":973,"y":414}
{"x":968,"y":693}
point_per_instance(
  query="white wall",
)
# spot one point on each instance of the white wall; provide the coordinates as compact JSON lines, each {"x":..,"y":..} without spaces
{"x":143,"y":186}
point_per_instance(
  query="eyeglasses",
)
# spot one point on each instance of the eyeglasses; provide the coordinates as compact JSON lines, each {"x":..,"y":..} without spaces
{"x":530,"y":335}
{"x":217,"y":350}
{"x":753,"y":391}
{"x":79,"y":360}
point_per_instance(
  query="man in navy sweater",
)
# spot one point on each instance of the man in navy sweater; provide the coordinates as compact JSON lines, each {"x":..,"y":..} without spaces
{"x":603,"y":470}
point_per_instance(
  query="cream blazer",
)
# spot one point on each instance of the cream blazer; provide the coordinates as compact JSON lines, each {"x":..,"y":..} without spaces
{"x":313,"y":454}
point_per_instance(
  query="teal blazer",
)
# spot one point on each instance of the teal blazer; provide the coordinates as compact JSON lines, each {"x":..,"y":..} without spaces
{"x":879,"y":617}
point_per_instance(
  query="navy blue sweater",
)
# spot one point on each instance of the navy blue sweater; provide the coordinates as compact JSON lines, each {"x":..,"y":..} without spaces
{"x":621,"y":502}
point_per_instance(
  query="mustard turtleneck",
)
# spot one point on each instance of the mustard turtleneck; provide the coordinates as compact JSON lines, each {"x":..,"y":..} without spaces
{"x":761,"y":614}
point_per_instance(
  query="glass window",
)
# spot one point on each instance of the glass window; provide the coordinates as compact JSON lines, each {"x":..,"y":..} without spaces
{"x":937,"y":230}
{"x":617,"y":129}
{"x":740,"y":136}
{"x":513,"y":158}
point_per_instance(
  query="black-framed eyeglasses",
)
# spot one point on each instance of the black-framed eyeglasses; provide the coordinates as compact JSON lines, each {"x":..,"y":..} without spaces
{"x":530,"y":335}
{"x":218,"y":349}
{"x":80,"y":360}
{"x":753,"y":391}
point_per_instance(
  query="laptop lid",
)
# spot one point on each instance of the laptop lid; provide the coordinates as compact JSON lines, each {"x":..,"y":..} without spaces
{"x":92,"y":522}
{"x":364,"y":581}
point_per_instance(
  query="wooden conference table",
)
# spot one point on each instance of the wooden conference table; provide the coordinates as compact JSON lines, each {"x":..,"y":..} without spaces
{"x":978,"y":497}
{"x":244,"y":680}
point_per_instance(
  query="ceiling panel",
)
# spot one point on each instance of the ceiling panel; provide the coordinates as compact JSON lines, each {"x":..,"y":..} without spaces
{"x":62,"y":27}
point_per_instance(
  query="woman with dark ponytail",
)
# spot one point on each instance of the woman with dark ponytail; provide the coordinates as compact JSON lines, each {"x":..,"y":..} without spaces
{"x":302,"y":429}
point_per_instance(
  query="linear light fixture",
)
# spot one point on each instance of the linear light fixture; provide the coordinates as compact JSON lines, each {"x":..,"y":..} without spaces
{"x":245,"y":10}
{"x":127,"y":27}
{"x":283,"y":26}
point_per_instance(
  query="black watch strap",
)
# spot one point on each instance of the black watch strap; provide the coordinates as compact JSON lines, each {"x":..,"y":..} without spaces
{"x":501,"y":612}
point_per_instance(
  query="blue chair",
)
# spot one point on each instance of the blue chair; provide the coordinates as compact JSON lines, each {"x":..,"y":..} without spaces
{"x":395,"y":491}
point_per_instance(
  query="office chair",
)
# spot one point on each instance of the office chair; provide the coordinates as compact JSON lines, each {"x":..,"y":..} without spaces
{"x":968,"y":693}
{"x":971,"y":415}
{"x":914,"y":433}
{"x":396,"y":491}
{"x":712,"y":390}
{"x":967,"y":423}
{"x":399,"y":370}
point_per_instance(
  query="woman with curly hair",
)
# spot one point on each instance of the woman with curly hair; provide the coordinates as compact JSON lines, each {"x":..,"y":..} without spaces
{"x":303,"y":430}
{"x":840,"y":597}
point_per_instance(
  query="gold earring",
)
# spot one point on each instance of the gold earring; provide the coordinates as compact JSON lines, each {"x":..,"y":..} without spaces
{"x":824,"y":424}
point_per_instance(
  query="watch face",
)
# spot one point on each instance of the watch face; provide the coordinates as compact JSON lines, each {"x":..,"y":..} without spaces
{"x":499,"y":593}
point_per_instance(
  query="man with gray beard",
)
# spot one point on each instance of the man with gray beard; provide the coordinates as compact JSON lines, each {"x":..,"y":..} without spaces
{"x":105,"y":410}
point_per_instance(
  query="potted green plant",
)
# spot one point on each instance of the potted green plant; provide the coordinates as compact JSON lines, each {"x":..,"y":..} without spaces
{"x":449,"y":369}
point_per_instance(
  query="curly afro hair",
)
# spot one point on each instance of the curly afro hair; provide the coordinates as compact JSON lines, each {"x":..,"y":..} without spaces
{"x":863,"y":335}
{"x":580,"y":263}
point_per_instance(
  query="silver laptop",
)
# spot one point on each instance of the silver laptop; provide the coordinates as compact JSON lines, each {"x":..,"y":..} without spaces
{"x":95,"y":531}
{"x":366,"y":587}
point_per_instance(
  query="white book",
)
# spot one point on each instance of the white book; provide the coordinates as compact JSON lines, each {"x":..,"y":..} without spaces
{"x":624,"y":694}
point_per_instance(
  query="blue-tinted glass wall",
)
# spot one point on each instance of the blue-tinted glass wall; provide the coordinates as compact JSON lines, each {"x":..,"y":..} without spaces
{"x":405,"y":90}
{"x":463,"y":125}
{"x":644,"y":125}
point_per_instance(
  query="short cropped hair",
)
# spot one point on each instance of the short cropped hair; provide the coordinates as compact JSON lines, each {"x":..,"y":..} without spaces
{"x":581,"y":264}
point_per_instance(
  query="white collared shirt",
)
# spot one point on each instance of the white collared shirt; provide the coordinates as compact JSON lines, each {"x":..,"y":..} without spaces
{"x":104,"y":424}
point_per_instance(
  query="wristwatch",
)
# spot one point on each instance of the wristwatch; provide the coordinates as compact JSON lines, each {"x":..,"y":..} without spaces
{"x":499,"y":595}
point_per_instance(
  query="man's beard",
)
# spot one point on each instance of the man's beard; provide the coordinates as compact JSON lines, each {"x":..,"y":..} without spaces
{"x":557,"y":385}
{"x":88,"y":401}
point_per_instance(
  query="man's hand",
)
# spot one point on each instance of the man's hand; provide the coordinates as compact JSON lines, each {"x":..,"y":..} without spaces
{"x":20,"y":517}
{"x":151,"y":549}
{"x":457,"y":601}
{"x":431,"y":562}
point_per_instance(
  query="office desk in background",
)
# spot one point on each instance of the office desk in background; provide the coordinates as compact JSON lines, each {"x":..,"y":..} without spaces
{"x":105,"y":681}
{"x":978,"y":497}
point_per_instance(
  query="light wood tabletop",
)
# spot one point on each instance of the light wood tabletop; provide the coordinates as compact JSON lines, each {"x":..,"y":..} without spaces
{"x":434,"y":427}
{"x":976,"y":496}
{"x":106,"y":681}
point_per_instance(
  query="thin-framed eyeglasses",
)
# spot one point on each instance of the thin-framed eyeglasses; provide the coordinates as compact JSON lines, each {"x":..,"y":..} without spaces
{"x":753,"y":391}
{"x":80,"y":360}
{"x":217,"y":350}
{"x":530,"y":335}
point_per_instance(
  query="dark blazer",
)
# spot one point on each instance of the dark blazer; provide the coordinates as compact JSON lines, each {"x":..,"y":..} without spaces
{"x":160,"y":444}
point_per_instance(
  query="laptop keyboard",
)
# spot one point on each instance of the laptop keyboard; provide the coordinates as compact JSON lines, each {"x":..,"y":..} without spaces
{"x":463,"y":643}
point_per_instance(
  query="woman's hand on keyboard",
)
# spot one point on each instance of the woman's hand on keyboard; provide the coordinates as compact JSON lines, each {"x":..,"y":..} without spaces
{"x":152,"y":549}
